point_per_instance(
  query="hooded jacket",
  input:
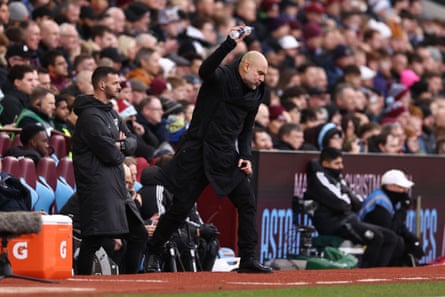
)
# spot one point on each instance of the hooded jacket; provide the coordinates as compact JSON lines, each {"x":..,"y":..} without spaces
{"x":98,"y":169}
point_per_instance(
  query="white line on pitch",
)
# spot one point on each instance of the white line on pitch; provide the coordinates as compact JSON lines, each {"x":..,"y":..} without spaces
{"x":373,"y":280}
{"x":117,"y":280}
{"x":414,"y":278}
{"x":268,"y":284}
{"x":332,"y":282}
{"x":29,"y":290}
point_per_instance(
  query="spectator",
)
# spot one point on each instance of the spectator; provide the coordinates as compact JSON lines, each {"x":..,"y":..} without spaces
{"x":35,"y":143}
{"x":149,"y":115}
{"x":128,"y":114}
{"x":41,"y":111}
{"x":62,"y":114}
{"x":148,"y":66}
{"x":261,"y":140}
{"x":57,"y":66}
{"x":24,"y":80}
{"x":50,"y":36}
{"x":138,"y":18}
{"x":98,"y":153}
{"x":81,"y":84}
{"x":290,"y":137}
{"x":336,"y":204}
{"x":387,"y":207}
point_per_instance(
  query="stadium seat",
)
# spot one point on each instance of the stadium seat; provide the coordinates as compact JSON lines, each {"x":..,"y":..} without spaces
{"x":47,"y":169}
{"x":65,"y":169}
{"x":5,"y":143}
{"x":63,"y":193}
{"x":46,"y":197}
{"x":11,"y":165}
{"x":34,"y":196}
{"x":28,"y":171}
{"x":58,"y":143}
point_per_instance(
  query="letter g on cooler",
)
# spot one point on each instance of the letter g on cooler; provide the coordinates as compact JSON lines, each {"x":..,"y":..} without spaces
{"x":62,"y":249}
{"x":20,"y":250}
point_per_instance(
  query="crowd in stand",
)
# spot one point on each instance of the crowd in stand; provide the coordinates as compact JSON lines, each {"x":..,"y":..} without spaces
{"x":371,"y":68}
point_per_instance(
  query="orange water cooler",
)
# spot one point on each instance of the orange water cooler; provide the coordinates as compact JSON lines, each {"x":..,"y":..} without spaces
{"x":47,"y":254}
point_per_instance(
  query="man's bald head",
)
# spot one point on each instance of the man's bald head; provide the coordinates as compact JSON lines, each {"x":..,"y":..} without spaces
{"x":253,"y":68}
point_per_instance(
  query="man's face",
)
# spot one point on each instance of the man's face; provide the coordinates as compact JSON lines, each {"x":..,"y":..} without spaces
{"x":60,"y":67}
{"x":40,"y":143}
{"x":153,"y":111}
{"x":112,"y":86}
{"x":263,"y":141}
{"x":294,"y":138}
{"x":48,"y":105}
{"x":44,"y":80}
{"x":151,"y":65}
{"x":336,"y":164}
{"x":28,"y":83}
{"x":62,"y":111}
{"x":391,"y":146}
{"x":254,"y":73}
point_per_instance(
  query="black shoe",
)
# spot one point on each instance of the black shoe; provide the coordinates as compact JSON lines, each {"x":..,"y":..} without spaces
{"x":153,"y":264}
{"x":253,"y":266}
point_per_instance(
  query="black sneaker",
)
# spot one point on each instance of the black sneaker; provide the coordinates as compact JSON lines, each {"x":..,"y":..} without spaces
{"x":253,"y":266}
{"x":153,"y":264}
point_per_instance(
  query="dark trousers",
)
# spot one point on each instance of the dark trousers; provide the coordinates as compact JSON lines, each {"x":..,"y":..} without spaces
{"x":380,"y":242}
{"x":242,"y":198}
{"x":136,"y":240}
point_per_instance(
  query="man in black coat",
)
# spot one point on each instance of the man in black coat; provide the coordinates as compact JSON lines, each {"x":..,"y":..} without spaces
{"x":216,"y":150}
{"x":336,"y":204}
{"x":100,"y":142}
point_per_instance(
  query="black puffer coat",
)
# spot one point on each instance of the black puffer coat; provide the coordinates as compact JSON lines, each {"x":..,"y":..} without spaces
{"x":98,"y":167}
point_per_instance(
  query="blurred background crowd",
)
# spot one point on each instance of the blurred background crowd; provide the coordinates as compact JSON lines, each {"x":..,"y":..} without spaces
{"x":362,"y":76}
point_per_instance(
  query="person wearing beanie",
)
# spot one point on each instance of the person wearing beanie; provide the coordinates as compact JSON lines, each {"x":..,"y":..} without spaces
{"x":329,"y":136}
{"x":128,"y":114}
{"x":387,"y":206}
{"x":277,"y":117}
{"x":18,"y":12}
{"x":336,"y":206}
{"x":35,"y":143}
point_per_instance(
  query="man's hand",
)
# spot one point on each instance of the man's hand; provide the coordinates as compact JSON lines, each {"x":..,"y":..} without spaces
{"x":245,"y":166}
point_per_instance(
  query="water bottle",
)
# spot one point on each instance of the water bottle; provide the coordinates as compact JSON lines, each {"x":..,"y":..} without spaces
{"x":235,"y":34}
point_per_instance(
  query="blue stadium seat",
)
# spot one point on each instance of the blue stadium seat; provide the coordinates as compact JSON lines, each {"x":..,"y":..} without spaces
{"x":63,"y":193}
{"x":46,"y":197}
{"x":32,"y":191}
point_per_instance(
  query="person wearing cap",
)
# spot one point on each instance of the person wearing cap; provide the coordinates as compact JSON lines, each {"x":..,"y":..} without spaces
{"x":336,"y":207}
{"x":16,"y":54}
{"x":387,"y":206}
